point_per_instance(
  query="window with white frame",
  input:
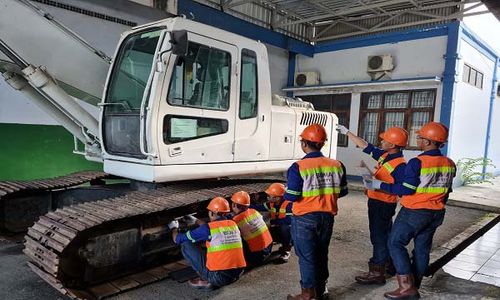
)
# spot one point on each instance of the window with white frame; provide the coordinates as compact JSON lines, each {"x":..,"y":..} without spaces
{"x":407,"y":109}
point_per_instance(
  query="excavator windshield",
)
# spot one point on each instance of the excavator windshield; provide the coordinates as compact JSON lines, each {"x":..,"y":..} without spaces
{"x":127,"y":88}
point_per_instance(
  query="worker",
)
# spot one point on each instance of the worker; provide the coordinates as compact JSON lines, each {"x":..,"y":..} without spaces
{"x":257,"y":240}
{"x":223,"y":261}
{"x":381,"y":205}
{"x":425,"y":188}
{"x":314,"y":184}
{"x":281,"y":216}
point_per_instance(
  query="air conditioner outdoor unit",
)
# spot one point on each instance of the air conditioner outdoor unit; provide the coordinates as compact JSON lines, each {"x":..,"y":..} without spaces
{"x":380,"y":63}
{"x":306,"y":78}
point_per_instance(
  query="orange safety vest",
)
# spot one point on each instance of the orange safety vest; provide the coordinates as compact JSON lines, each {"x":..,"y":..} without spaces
{"x":225,"y":248}
{"x":253,"y":229}
{"x":281,"y":213}
{"x":383,"y":172}
{"x":321,"y":187}
{"x":436,"y":178}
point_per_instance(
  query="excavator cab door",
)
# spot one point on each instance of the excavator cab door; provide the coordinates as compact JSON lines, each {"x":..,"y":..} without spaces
{"x":197,"y":111}
{"x":128,"y":89}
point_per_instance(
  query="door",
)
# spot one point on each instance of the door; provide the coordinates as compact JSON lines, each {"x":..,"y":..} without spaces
{"x":198,"y":113}
{"x":253,"y":121}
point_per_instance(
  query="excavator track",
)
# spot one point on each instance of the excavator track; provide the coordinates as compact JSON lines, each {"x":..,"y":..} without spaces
{"x":98,"y":249}
{"x":22,"y":202}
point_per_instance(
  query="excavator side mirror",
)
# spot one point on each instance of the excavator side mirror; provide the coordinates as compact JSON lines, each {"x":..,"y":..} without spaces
{"x":179,"y":42}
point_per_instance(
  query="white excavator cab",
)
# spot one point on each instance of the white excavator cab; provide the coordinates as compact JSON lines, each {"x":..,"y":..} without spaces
{"x":185,"y":100}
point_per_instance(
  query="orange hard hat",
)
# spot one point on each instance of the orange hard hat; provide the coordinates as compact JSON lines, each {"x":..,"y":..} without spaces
{"x":314,"y":133}
{"x":218,"y":204}
{"x":395,"y":135}
{"x":434,"y":131}
{"x":276,"y":190}
{"x":241,"y":197}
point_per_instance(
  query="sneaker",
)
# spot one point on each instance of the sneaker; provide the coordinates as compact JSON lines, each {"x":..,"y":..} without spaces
{"x":284,"y":256}
{"x":199,"y":283}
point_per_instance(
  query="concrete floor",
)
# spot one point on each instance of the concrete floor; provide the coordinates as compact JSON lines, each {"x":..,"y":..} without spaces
{"x":349,"y":252}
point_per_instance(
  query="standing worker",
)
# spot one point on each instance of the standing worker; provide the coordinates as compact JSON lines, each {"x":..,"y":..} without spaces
{"x":314,"y":184}
{"x":425,"y":189}
{"x":281,"y":218}
{"x":381,"y":205}
{"x":258,"y":242}
{"x":223,"y":262}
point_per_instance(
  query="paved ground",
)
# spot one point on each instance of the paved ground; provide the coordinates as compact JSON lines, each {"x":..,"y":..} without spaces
{"x":350,"y":249}
{"x":482,"y":196}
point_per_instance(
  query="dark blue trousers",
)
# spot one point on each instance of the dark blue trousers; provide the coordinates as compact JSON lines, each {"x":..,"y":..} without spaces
{"x":197,"y":257}
{"x":419,"y":225}
{"x":311,"y":234}
{"x":380,"y":222}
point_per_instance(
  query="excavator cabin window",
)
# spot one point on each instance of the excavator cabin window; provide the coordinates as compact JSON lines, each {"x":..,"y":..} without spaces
{"x":201,"y":78}
{"x":248,"y":89}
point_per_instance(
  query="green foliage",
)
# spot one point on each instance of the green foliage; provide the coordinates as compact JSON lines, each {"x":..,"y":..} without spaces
{"x":470,"y":167}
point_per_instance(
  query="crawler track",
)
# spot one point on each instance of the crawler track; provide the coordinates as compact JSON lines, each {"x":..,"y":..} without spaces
{"x":97,"y":249}
{"x":22,"y":202}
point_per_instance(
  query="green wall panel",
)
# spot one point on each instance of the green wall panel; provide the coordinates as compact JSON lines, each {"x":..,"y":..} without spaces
{"x":38,"y":151}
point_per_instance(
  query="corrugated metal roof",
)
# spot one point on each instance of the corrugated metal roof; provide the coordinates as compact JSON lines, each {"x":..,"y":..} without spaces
{"x":493,"y":7}
{"x":320,"y":20}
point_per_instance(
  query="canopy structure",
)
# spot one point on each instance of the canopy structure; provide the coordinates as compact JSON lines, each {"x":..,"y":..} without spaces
{"x":324,"y":20}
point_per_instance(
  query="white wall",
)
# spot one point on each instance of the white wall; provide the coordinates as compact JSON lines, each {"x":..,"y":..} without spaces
{"x":470,"y":109}
{"x":278,"y":67}
{"x":418,"y":58}
{"x":102,"y":34}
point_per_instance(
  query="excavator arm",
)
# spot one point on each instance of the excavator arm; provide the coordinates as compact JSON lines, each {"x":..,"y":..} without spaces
{"x":59,"y":70}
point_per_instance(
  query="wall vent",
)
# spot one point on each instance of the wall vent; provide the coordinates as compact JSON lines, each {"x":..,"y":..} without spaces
{"x":309,"y":118}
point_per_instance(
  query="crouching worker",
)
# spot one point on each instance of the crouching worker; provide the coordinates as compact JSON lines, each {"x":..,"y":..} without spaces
{"x":281,"y":212}
{"x":258,"y":242}
{"x":223,"y":261}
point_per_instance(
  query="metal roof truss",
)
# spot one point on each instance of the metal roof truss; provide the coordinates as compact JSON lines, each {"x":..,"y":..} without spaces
{"x":321,"y":20}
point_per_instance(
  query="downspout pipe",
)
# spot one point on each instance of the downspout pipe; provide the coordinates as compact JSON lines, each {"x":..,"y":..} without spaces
{"x":490,"y":112}
{"x":450,"y":78}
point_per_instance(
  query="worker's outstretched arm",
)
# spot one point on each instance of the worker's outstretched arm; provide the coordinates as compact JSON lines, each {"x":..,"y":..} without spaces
{"x":356,"y":139}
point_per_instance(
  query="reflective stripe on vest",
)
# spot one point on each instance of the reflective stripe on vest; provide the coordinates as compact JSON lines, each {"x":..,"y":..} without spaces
{"x":321,"y":187}
{"x":436,"y":178}
{"x":225,"y":248}
{"x":282,"y":211}
{"x":253,"y":229}
{"x":383,"y":172}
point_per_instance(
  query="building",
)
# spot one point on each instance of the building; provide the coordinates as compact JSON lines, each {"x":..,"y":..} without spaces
{"x":403,"y":77}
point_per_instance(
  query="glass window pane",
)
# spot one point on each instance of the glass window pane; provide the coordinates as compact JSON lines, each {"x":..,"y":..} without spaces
{"x":472,"y":77}
{"x":396,"y":100}
{"x":320,"y":102}
{"x":418,"y":119}
{"x":465,"y":75}
{"x":422,"y":99}
{"x":201,"y":78}
{"x":179,"y":129}
{"x":343,"y":120}
{"x":394,"y":119}
{"x":131,"y":72}
{"x":370,"y":128}
{"x":341,"y":101}
{"x":248,"y":92}
{"x":479,"y":80}
{"x":372,"y":101}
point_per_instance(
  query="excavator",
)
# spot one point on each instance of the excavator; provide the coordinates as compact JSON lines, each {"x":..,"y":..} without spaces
{"x":183,"y":112}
